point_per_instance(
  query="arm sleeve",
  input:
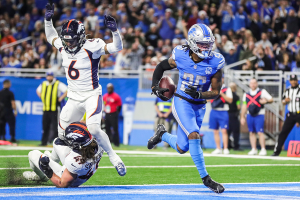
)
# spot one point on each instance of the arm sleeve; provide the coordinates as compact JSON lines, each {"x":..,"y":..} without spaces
{"x":159,"y":71}
{"x":62,"y":87}
{"x":229,"y":93}
{"x":51,"y":34}
{"x":265,"y":94}
{"x":39,"y":89}
{"x":244,"y":98}
{"x":117,"y":44}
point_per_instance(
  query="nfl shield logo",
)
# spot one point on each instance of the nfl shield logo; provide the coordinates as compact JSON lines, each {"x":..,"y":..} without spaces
{"x":208,"y":70}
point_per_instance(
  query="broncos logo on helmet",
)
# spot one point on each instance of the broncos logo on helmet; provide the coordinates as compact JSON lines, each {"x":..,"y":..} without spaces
{"x":77,"y":135}
{"x":200,"y":40}
{"x":72,"y":36}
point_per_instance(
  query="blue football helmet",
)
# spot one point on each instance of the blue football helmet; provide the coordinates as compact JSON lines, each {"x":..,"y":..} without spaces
{"x":72,"y":36}
{"x":200,"y":40}
{"x":77,"y":136}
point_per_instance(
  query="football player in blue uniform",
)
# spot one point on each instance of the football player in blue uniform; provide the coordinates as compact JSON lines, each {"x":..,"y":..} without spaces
{"x":199,"y":67}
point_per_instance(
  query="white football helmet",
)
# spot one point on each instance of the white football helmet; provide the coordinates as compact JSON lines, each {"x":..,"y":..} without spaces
{"x":200,"y":40}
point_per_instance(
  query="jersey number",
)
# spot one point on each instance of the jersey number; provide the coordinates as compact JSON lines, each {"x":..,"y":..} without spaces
{"x":186,"y":76}
{"x":72,"y":72}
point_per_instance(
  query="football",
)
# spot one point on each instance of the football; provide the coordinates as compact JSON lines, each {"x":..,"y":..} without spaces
{"x":167,"y":82}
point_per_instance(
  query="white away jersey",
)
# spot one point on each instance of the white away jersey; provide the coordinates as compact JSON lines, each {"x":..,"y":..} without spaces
{"x":84,"y":171}
{"x":82,"y":68}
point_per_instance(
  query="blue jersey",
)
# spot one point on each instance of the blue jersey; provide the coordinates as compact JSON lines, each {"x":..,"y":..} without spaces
{"x":195,"y":74}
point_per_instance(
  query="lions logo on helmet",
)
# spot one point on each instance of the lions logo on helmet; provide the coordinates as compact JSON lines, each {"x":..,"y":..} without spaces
{"x":77,"y":135}
{"x":72,"y":36}
{"x":200,"y":40}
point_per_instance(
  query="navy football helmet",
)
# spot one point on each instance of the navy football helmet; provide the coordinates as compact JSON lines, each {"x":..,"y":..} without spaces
{"x":72,"y":36}
{"x":77,"y":136}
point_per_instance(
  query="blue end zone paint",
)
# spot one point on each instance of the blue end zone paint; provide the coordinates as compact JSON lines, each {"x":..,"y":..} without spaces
{"x":252,"y":191}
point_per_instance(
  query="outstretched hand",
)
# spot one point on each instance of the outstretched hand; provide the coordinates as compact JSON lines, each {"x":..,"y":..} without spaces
{"x":49,"y":11}
{"x":110,"y":23}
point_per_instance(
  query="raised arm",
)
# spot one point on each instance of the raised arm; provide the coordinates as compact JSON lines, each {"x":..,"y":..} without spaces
{"x":117,"y":44}
{"x":164,"y":65}
{"x":51,"y":33}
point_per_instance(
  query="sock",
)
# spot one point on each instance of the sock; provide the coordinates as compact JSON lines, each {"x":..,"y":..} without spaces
{"x":197,"y":156}
{"x":171,"y":140}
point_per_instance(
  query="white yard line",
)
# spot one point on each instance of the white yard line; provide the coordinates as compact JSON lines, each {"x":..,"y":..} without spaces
{"x":162,"y":153}
{"x":188,"y":166}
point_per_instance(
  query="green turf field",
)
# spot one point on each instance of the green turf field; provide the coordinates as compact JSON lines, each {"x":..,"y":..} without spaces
{"x":162,"y":168}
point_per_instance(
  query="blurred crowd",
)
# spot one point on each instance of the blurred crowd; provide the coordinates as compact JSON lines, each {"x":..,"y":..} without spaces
{"x":267,"y":29}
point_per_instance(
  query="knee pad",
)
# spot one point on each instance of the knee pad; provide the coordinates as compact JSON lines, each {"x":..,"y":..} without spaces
{"x":34,"y":153}
{"x":94,"y":129}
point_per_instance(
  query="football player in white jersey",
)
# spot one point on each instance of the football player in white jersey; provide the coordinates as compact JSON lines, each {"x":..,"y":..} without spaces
{"x":81,"y":60}
{"x":79,"y":153}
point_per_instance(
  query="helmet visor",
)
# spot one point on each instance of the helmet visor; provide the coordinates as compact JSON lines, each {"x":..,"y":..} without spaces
{"x":205,"y":46}
{"x":69,"y":42}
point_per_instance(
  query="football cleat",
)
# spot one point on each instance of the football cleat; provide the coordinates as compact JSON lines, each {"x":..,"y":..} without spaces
{"x":213,"y":185}
{"x":156,"y":138}
{"x":31,"y":176}
{"x":121,"y":169}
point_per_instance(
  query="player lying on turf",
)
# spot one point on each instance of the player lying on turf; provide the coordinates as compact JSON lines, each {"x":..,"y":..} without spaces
{"x":79,"y":153}
{"x":199,"y":67}
{"x":81,"y":61}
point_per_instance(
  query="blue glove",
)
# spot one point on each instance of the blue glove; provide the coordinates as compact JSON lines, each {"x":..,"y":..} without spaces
{"x":110,"y":23}
{"x":49,"y":11}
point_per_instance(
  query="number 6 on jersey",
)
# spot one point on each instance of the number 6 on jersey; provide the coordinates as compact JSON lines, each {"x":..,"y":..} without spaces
{"x":72,"y":72}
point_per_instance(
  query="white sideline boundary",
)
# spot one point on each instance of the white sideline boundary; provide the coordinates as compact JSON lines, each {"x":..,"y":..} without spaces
{"x":188,"y":166}
{"x":84,"y":186}
{"x":161,"y":153}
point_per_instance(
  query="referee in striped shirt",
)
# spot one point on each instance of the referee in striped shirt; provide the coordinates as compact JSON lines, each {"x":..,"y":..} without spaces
{"x":291,"y":98}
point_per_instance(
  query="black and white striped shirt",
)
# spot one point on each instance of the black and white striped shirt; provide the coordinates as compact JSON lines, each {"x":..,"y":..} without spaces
{"x":294,"y":95}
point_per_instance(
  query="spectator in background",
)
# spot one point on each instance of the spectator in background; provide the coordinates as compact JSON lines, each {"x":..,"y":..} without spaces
{"x":167,"y":25}
{"x":7,"y":37}
{"x":56,"y":61}
{"x":152,"y":36}
{"x":91,"y":21}
{"x":266,"y":25}
{"x":262,"y":62}
{"x":218,"y":118}
{"x":253,"y":106}
{"x":5,"y":62}
{"x":112,"y":107}
{"x":225,"y":11}
{"x":293,"y":46}
{"x":255,"y":26}
{"x":8,"y":99}
{"x":202,"y":18}
{"x":233,"y":55}
{"x":20,"y":34}
{"x":122,"y":61}
{"x":214,"y":19}
{"x":164,"y":115}
{"x":248,"y":52}
{"x":240,"y":19}
{"x":233,"y":113}
{"x":51,"y":92}
{"x":13,"y":62}
{"x":264,"y":42}
{"x":226,"y":44}
{"x":135,"y":55}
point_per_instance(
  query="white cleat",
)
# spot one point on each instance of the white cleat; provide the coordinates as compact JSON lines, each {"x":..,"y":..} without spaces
{"x":253,"y":152}
{"x":226,"y":151}
{"x":31,"y":176}
{"x":263,"y":152}
{"x":217,"y":151}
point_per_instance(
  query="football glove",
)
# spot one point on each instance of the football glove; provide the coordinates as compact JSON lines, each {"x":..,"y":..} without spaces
{"x":49,"y":11}
{"x":44,"y":166}
{"x":192,"y":91}
{"x":159,"y":92}
{"x":110,"y":23}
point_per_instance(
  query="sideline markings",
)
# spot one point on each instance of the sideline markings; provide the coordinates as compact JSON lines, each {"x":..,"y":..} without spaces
{"x":164,"y":153}
{"x":187,"y":166}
